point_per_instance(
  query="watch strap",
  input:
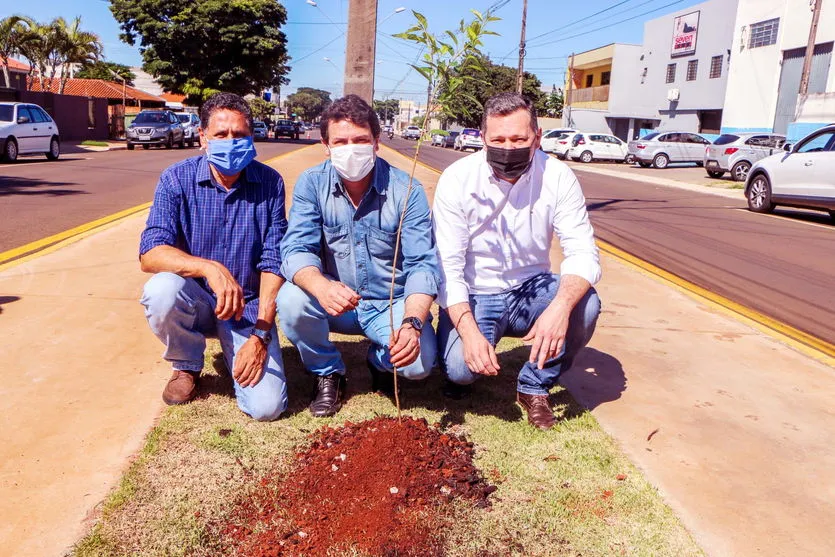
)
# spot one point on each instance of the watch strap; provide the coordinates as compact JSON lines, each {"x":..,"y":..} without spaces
{"x":413,"y":322}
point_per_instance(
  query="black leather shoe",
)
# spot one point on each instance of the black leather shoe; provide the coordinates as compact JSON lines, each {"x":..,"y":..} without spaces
{"x":381,"y":381}
{"x":456,"y":391}
{"x":330,"y":389}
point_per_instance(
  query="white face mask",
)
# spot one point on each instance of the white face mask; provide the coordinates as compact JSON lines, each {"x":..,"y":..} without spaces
{"x":353,"y":161}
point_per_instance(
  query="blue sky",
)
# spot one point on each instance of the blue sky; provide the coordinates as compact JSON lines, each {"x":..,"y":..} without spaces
{"x":316,"y":33}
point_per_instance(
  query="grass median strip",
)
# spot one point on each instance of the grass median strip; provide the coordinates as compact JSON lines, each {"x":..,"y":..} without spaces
{"x":568,"y":491}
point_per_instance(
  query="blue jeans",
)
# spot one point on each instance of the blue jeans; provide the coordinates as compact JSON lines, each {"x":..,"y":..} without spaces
{"x":513,"y":313}
{"x":181,"y":314}
{"x":308,"y":326}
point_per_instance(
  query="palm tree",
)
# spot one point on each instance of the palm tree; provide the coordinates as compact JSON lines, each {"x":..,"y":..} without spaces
{"x":75,"y":47}
{"x":13,"y":31}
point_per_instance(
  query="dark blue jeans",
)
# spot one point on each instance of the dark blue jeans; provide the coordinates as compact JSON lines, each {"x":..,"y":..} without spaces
{"x":512,"y":313}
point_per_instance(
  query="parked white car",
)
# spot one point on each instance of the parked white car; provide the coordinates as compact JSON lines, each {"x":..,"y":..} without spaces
{"x":554,"y":141}
{"x":588,"y":147}
{"x":659,"y":149}
{"x":469,"y":138}
{"x":26,"y":129}
{"x":802,"y":176}
{"x":190,"y":123}
{"x":736,"y":152}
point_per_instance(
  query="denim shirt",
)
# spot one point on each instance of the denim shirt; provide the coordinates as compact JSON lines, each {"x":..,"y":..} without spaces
{"x":356,"y":245}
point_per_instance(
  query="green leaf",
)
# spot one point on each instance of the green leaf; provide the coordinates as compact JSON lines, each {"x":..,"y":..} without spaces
{"x":421,"y":18}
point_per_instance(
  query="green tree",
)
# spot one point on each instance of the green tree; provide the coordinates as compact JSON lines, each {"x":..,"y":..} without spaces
{"x":74,"y":46}
{"x":554,"y":102}
{"x":386,"y":109}
{"x":200,"y":47}
{"x":308,"y":102}
{"x":14,"y":31}
{"x":483,"y":80}
{"x":105,"y":70}
{"x":261,"y":108}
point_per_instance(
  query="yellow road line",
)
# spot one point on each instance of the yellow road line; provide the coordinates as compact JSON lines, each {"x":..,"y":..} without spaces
{"x":804,"y":343}
{"x":49,"y":244}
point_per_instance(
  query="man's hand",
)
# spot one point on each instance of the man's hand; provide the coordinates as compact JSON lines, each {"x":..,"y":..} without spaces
{"x":548,"y":334}
{"x":479,"y":354}
{"x":230,"y":295}
{"x":404,"y":346}
{"x":337,"y":298}
{"x":249,"y":362}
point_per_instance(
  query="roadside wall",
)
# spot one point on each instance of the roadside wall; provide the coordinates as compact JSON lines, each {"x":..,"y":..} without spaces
{"x":78,"y":118}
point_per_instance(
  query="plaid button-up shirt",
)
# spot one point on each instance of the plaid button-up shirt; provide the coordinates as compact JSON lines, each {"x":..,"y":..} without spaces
{"x":240,"y":228}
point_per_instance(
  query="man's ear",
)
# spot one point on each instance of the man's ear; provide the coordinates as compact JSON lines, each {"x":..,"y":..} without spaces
{"x":376,"y":144}
{"x":204,"y":143}
{"x":327,"y":149}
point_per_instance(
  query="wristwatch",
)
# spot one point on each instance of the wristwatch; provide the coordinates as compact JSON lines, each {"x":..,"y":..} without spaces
{"x":413,"y":322}
{"x":263,"y":336}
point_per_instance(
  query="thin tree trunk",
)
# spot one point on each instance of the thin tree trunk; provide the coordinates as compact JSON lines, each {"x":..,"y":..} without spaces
{"x":6,"y":75}
{"x":64,"y":71}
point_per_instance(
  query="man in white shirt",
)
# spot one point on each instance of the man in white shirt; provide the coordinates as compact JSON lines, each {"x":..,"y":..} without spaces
{"x":495,"y":215}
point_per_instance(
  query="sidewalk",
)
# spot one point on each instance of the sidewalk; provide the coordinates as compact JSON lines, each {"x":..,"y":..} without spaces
{"x":744,"y":450}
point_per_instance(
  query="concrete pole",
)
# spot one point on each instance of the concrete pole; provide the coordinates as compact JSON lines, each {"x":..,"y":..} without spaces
{"x":362,"y":43}
{"x":520,"y":73}
{"x":810,"y":48}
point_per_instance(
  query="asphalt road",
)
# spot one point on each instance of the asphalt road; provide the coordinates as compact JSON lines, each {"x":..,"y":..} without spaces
{"x":40,"y":198}
{"x":779,"y":265}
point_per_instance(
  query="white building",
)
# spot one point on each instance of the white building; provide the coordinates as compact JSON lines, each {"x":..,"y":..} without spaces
{"x":768,"y":51}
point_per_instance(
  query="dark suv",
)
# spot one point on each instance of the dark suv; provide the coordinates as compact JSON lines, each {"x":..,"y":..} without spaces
{"x":156,"y":127}
{"x":286,"y":128}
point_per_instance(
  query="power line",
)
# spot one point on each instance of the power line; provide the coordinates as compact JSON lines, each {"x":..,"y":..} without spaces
{"x":309,"y":54}
{"x":579,"y":20}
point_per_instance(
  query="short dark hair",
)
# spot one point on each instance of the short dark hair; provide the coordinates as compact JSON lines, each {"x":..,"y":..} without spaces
{"x":506,"y":103}
{"x":224,"y":101}
{"x":353,"y":109}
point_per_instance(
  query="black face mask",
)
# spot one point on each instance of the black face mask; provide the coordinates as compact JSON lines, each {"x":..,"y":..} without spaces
{"x":509,"y":163}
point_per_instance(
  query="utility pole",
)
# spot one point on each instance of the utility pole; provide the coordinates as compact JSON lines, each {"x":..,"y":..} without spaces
{"x":567,"y":100}
{"x":520,"y":73}
{"x":359,"y":54}
{"x":810,"y":48}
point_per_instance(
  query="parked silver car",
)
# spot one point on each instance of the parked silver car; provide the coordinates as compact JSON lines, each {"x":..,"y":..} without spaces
{"x":659,"y":149}
{"x":802,"y":176}
{"x":260,"y":131}
{"x":191,"y":124}
{"x":737,"y":152}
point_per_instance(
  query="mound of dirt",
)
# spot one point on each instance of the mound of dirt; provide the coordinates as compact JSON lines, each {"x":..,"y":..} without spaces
{"x":378,"y":488}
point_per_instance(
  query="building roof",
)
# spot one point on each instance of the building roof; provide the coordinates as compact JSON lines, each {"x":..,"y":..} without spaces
{"x":99,"y":88}
{"x":17,"y":65}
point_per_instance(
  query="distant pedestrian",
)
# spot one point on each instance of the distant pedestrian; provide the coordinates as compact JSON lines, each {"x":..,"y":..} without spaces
{"x":212,"y":240}
{"x":338,"y":256}
{"x":496,"y":214}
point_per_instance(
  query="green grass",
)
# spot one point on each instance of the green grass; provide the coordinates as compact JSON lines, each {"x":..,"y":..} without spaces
{"x":92,"y":143}
{"x":559,"y":492}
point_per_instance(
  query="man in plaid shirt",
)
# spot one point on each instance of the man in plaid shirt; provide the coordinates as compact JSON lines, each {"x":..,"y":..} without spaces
{"x":212,"y":241}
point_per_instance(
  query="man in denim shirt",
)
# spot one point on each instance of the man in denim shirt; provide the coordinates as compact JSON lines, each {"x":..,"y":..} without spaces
{"x":337,"y":257}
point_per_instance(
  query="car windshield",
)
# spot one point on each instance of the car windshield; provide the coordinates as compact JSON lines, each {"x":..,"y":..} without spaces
{"x":151,"y":118}
{"x":260,"y":125}
{"x":473,"y":133}
{"x":649,"y":136}
{"x":6,"y":113}
{"x":285,"y":123}
{"x":726,"y":138}
{"x":184,"y":118}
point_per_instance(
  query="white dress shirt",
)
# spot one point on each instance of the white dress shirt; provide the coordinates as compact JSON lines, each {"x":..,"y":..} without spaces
{"x":493,"y":235}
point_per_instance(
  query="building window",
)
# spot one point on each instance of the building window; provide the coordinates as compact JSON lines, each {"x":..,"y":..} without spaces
{"x":605,"y":78}
{"x":764,"y":33}
{"x":716,"y":66}
{"x":589,"y":80}
{"x":671,"y":73}
{"x":692,"y":70}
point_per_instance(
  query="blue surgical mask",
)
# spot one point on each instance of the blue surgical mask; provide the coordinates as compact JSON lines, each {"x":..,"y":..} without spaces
{"x":230,"y":156}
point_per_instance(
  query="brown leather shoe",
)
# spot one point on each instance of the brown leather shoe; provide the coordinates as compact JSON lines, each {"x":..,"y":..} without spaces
{"x":539,"y":410}
{"x":181,"y":388}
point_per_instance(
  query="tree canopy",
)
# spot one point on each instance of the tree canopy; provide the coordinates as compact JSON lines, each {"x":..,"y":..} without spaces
{"x":386,"y":110}
{"x":200,"y":47}
{"x":307,"y":102}
{"x":261,"y":109}
{"x":483,"y":80}
{"x":105,"y":70}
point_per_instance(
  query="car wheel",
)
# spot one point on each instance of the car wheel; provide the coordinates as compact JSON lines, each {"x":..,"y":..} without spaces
{"x":146,"y":147}
{"x":715,"y":173}
{"x":630,"y":159}
{"x":740,"y":171}
{"x":700,"y":163}
{"x":54,"y":150}
{"x":130,"y":146}
{"x":10,"y":150}
{"x":182,"y":144}
{"x":170,"y":143}
{"x":191,"y":142}
{"x":586,"y":156}
{"x":832,"y":215}
{"x":759,"y":195}
{"x":644,"y":164}
{"x":660,"y":161}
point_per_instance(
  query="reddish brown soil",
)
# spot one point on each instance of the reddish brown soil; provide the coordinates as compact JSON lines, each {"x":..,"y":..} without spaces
{"x":378,"y":487}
